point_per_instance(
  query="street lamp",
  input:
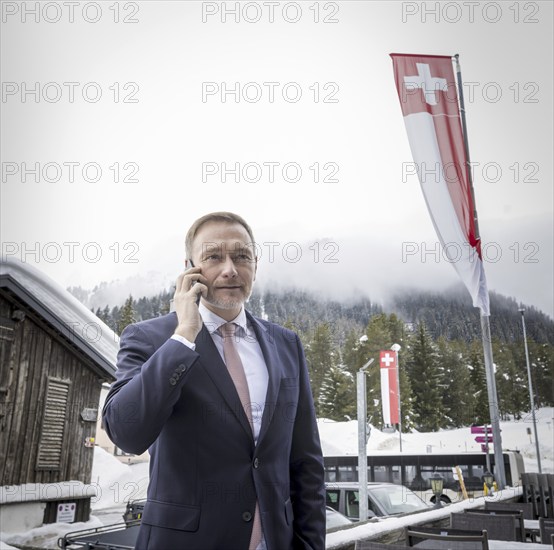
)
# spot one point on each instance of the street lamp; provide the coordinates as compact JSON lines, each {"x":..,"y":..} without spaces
{"x":362,"y":439}
{"x":396,"y":348}
{"x":437,"y":484}
{"x":531,"y":397}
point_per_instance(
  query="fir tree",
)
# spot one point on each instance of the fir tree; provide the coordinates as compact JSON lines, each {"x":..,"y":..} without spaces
{"x":319,"y":356}
{"x":425,"y":378}
{"x":255,"y":305}
{"x":164,"y":307}
{"x":98,"y":314}
{"x":480,"y":412}
{"x":354,"y":355}
{"x":456,"y":400}
{"x":106,"y":316}
{"x":335,"y":399}
{"x":541,"y":358}
{"x":511,"y":381}
{"x":127,"y":315}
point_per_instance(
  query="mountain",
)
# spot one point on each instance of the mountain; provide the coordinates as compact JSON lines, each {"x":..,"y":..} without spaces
{"x":448,"y":314}
{"x":452,"y":315}
{"x":442,"y":374}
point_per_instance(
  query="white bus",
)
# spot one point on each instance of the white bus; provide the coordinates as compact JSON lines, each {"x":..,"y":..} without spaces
{"x":414,"y":471}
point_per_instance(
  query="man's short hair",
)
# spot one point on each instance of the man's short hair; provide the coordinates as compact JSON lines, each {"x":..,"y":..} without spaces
{"x":227,"y":217}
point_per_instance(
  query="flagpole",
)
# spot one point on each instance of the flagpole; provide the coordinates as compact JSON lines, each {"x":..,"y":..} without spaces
{"x":485,"y":324}
{"x":531,"y":396}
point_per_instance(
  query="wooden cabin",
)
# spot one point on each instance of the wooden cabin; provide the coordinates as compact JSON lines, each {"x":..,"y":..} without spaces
{"x":54,"y":357}
{"x":103,"y":441}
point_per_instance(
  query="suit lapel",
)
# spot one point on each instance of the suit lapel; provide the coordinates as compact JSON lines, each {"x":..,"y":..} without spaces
{"x":211,"y":361}
{"x":269,"y":350}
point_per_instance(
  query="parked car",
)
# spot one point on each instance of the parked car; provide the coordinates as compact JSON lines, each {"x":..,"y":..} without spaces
{"x":384,"y":499}
{"x":335,"y":519}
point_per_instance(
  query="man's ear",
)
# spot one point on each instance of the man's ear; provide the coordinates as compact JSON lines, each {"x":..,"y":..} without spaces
{"x":255,"y":267}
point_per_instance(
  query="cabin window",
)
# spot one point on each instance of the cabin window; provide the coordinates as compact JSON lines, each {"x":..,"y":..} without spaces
{"x":53,"y":425}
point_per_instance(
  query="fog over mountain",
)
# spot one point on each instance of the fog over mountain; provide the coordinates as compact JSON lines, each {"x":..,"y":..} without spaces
{"x":518,"y":263}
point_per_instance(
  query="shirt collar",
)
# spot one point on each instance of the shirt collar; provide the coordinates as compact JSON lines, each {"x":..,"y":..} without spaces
{"x":213,"y":321}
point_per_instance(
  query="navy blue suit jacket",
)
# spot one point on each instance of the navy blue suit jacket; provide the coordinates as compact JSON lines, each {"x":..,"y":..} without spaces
{"x":205,"y":471}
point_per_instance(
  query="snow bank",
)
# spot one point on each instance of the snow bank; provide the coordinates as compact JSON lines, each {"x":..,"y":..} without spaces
{"x":47,"y":535}
{"x":372,"y":528}
{"x":116,"y":483}
{"x":32,"y":492}
{"x":112,"y":485}
{"x":341,"y":438}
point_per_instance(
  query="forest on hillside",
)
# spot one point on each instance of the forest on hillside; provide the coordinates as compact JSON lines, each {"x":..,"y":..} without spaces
{"x":442,"y":376}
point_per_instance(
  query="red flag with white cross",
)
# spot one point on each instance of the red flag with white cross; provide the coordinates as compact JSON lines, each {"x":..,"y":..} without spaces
{"x":389,"y":386}
{"x":428,"y":95}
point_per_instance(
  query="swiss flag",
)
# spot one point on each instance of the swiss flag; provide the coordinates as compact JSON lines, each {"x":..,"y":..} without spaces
{"x":428,"y":96}
{"x":387,"y":359}
{"x":426,"y":85}
{"x":389,"y":386}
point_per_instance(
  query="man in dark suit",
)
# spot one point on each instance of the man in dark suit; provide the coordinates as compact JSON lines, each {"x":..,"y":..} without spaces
{"x":222,"y":401}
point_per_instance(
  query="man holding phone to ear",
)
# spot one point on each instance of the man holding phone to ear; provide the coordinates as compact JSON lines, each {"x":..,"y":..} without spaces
{"x":222,"y":400}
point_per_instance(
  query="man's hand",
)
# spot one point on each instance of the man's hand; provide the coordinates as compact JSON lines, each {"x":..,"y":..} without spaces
{"x":189,"y":285}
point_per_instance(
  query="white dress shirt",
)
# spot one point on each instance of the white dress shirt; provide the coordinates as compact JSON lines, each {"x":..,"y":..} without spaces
{"x":250,"y":354}
{"x":252,"y":360}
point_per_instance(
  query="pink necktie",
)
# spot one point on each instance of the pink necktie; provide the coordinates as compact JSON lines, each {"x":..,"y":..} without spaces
{"x":236,"y":370}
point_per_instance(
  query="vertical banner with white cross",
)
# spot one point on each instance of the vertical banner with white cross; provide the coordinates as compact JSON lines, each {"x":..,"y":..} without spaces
{"x":389,"y":386}
{"x":428,"y":96}
{"x":434,"y":116}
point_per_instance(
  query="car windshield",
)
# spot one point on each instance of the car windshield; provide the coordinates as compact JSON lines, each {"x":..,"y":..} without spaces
{"x":396,"y":499}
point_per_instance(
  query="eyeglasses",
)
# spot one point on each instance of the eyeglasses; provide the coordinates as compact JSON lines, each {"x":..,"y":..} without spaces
{"x":238,"y":258}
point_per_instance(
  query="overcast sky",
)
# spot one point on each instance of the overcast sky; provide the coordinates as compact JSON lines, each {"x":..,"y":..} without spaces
{"x":133,"y":112}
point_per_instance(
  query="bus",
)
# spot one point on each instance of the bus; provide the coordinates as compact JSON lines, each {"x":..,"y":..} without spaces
{"x":414,"y":470}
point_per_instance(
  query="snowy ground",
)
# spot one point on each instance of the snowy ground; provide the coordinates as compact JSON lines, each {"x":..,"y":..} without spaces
{"x":118,"y":483}
{"x":342,"y":438}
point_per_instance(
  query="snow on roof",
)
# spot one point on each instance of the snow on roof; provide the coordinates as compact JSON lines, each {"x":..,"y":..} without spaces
{"x":62,"y":310}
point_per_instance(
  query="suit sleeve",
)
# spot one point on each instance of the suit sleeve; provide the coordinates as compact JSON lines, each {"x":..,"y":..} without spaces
{"x":147,"y":386}
{"x":306,"y":469}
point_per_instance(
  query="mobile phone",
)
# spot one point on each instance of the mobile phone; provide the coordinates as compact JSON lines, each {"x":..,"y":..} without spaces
{"x":199,"y":294}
